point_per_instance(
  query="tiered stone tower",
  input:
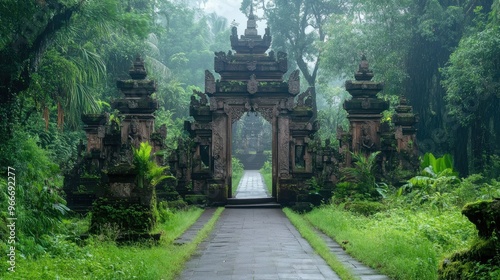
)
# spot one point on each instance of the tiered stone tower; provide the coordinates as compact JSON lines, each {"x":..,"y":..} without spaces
{"x":364,"y":114}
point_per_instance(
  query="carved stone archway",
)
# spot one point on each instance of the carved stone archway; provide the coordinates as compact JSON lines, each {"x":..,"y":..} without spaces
{"x":251,"y":80}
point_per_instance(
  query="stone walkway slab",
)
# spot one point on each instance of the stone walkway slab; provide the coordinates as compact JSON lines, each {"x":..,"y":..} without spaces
{"x":251,"y":185}
{"x":357,"y":268}
{"x":193,"y":230}
{"x":256,"y":244}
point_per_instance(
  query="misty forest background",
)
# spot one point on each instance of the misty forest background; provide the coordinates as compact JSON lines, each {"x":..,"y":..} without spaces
{"x":61,"y":58}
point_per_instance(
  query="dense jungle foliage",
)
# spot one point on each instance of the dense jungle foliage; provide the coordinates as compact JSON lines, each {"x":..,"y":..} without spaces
{"x":61,"y":58}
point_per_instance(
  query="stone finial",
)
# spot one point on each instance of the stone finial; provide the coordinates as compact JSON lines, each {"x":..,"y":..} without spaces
{"x":364,"y":73}
{"x":251,"y":24}
{"x":138,"y":71}
{"x":403,"y":106}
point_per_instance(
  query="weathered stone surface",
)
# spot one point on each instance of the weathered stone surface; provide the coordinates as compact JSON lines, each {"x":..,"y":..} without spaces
{"x":462,"y":265}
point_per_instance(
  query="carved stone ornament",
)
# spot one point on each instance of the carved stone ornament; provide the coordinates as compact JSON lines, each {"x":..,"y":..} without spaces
{"x":209,"y":82}
{"x":267,"y":113}
{"x":366,"y":140}
{"x":301,"y":98}
{"x":399,"y":133}
{"x":132,"y":104}
{"x":252,"y":85}
{"x":282,"y":61}
{"x":365,"y":103}
{"x":251,"y":65}
{"x":294,"y":83}
{"x":101,"y":131}
{"x":236,"y":113}
{"x":251,"y":43}
{"x":203,"y":97}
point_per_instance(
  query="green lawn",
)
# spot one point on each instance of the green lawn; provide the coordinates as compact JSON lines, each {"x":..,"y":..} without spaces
{"x":106,"y":260}
{"x":403,"y":244}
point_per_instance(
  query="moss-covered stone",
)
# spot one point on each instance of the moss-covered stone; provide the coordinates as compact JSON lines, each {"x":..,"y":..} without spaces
{"x":125,"y":215}
{"x":485,"y":215}
{"x":482,"y":260}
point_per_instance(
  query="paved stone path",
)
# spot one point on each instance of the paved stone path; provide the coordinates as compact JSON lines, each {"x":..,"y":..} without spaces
{"x":251,"y":185}
{"x":259,"y":243}
{"x":256,"y":244}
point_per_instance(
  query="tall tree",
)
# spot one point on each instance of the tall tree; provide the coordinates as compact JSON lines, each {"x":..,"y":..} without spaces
{"x":472,"y":83}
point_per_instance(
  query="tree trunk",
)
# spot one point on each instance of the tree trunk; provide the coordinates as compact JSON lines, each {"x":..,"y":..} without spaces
{"x":460,"y":155}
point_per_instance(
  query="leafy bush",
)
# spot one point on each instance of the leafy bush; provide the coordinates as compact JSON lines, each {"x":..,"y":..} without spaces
{"x":238,"y":170}
{"x":177,"y":204}
{"x":267,"y":175}
{"x":164,"y":212}
{"x":121,"y":215}
{"x":39,"y":202}
{"x":362,"y":176}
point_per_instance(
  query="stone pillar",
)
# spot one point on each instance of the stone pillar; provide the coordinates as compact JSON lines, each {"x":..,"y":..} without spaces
{"x":217,"y":188}
{"x":137,"y":106}
{"x":364,"y":111}
{"x":405,"y":134}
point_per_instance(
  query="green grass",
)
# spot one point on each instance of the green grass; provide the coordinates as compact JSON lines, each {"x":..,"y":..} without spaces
{"x":106,"y":260}
{"x":237,"y":173}
{"x":267,"y":175}
{"x":402,"y":244}
{"x":318,"y":244}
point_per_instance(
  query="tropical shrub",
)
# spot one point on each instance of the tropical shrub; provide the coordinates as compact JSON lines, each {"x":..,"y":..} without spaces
{"x":434,"y":185}
{"x":238,"y":170}
{"x":40,"y":206}
{"x":362,"y":178}
{"x":148,"y":171}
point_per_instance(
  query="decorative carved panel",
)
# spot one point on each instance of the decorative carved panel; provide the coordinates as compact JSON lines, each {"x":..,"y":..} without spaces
{"x":209,"y":82}
{"x":294,"y":83}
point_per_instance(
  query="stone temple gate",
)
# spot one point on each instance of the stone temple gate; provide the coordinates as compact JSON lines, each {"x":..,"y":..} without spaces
{"x":251,"y":80}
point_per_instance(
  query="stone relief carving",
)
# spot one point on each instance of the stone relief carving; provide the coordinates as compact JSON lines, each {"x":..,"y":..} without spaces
{"x":294,"y":83}
{"x":101,"y":131}
{"x":282,"y":61}
{"x":302,"y":99}
{"x":203,"y":97}
{"x":251,"y":65}
{"x":209,"y":82}
{"x":284,"y":147}
{"x":132,"y":104}
{"x":366,"y":139}
{"x":267,"y":113}
{"x":365,"y":103}
{"x":135,"y":133}
{"x":194,"y":102}
{"x":252,"y":85}
{"x":236,"y":113}
{"x":218,"y":147}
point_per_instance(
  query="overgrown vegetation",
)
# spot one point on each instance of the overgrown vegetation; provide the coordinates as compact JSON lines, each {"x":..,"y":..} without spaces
{"x":100,"y":258}
{"x":238,"y":170}
{"x":410,"y":230}
{"x":267,"y":175}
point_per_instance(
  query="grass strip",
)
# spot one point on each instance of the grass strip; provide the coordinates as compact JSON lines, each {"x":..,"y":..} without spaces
{"x":190,"y":248}
{"x":318,"y":244}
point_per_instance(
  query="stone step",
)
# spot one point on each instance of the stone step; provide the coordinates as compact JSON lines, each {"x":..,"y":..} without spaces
{"x":256,"y":205}
{"x":259,"y":200}
{"x":265,"y":202}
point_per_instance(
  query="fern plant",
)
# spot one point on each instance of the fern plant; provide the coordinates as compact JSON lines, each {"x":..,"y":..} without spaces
{"x":362,"y":174}
{"x":148,"y":171}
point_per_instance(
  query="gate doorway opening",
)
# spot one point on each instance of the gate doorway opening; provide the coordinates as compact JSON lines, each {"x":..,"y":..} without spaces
{"x":251,"y":150}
